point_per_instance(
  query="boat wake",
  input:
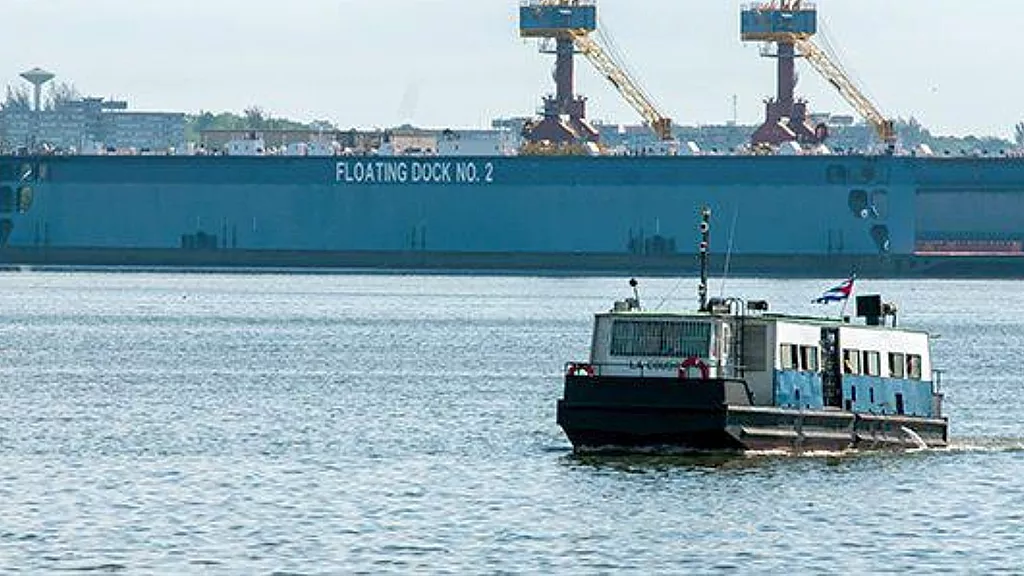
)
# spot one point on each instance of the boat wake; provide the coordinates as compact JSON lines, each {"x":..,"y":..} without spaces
{"x":644,"y":459}
{"x":918,"y":441}
{"x":986,"y":444}
{"x":634,"y":458}
{"x":811,"y":454}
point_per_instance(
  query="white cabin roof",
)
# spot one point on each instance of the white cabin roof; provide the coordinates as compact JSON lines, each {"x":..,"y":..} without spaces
{"x":766,"y":318}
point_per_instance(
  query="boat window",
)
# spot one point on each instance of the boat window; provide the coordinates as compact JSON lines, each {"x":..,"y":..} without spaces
{"x":897,"y":363}
{"x":754,"y":347}
{"x":872,"y":364}
{"x":654,"y":338}
{"x":809,"y":358}
{"x":914,"y":366}
{"x":851,"y":362}
{"x":788,"y":357}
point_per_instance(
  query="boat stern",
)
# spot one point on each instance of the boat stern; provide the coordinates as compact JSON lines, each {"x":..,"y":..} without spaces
{"x":618,"y":413}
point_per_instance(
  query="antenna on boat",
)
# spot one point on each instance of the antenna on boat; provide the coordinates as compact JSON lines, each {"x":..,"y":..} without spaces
{"x":728,"y":252}
{"x":705,"y":236}
{"x":636,"y":292}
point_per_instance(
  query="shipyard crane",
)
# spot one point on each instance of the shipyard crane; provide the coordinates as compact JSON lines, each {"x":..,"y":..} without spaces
{"x":570,"y":24}
{"x":627,"y":87}
{"x":831,"y":71}
{"x":791,"y":25}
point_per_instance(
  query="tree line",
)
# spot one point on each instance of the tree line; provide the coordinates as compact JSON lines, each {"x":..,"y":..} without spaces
{"x":255,"y":118}
{"x":55,"y":96}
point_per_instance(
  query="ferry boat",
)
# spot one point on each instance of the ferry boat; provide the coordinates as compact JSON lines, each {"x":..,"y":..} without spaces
{"x":735,"y":376}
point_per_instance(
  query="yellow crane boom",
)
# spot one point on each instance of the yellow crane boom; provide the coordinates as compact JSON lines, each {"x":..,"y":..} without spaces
{"x":616,"y":74}
{"x":835,"y":75}
{"x":627,"y":87}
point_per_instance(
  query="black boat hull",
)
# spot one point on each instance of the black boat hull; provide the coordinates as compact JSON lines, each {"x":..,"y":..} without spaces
{"x":628,"y":414}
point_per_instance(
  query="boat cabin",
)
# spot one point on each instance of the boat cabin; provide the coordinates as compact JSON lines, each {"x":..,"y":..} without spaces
{"x":783,"y":361}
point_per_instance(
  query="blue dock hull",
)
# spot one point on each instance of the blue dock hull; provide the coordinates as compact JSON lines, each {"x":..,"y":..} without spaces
{"x":790,"y":215}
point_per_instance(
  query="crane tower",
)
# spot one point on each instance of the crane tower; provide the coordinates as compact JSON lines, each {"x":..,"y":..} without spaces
{"x":564,"y":115}
{"x":783,"y":23}
{"x":565,"y":28}
{"x":790,"y":25}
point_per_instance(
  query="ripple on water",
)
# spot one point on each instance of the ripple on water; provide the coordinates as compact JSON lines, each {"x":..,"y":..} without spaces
{"x":225,"y":424}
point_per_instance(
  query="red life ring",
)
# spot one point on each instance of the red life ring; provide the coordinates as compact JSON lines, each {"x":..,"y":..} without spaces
{"x":694,"y":362}
{"x":580,"y":370}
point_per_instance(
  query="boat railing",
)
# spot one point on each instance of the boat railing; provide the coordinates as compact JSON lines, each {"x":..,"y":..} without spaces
{"x":615,"y":368}
{"x":729,"y":371}
{"x":589,"y":370}
{"x":938,"y":397}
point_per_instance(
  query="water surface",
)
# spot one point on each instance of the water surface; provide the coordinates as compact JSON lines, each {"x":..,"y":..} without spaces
{"x":258,"y":424}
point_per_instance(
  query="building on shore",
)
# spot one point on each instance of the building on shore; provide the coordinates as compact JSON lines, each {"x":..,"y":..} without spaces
{"x":86,"y":125}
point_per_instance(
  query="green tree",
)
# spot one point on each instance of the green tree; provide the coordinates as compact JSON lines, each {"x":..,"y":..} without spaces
{"x":912,"y":133}
{"x":203,"y":121}
{"x":322,"y":126}
{"x":255,"y":118}
{"x":196,"y":124}
{"x":61,"y":93}
{"x":17,"y":99}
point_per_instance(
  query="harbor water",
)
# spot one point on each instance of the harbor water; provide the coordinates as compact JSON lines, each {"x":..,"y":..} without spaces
{"x":172,"y":423}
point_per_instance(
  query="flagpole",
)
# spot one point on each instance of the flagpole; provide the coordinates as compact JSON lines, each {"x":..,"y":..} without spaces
{"x":842,"y":313}
{"x":840,"y":292}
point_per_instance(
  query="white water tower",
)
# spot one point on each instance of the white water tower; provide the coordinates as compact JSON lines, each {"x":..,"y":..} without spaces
{"x":37,"y":77}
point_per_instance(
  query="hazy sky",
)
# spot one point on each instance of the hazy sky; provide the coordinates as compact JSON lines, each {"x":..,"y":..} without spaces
{"x":952,"y":64}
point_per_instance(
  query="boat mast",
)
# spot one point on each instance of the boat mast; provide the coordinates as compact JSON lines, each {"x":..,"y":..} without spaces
{"x":705,"y":236}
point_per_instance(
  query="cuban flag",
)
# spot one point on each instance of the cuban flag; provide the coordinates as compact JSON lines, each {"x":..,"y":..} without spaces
{"x":838,"y":293}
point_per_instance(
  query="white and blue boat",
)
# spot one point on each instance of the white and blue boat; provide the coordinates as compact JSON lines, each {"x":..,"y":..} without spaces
{"x":735,"y":376}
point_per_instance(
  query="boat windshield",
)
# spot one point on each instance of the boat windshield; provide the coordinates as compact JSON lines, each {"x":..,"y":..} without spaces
{"x":646,"y":338}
